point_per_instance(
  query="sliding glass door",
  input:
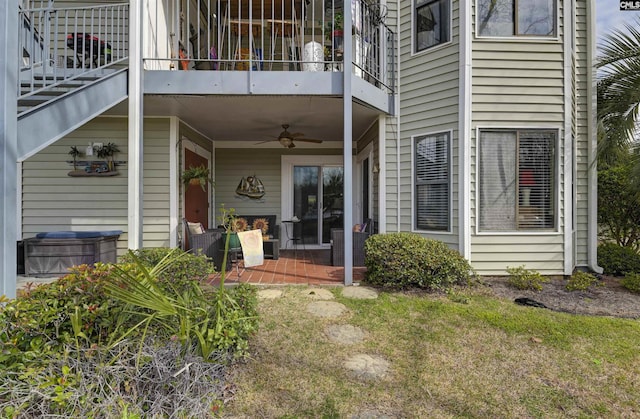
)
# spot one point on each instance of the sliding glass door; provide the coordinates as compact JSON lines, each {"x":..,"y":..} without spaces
{"x":318,"y":201}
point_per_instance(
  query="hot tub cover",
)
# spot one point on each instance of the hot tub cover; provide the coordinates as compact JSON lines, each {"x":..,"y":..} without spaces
{"x":78,"y":234}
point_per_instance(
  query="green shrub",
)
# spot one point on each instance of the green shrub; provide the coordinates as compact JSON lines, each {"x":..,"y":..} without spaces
{"x":619,"y":206}
{"x":618,"y":260}
{"x":582,"y":281}
{"x":39,"y":322}
{"x":525,"y":279}
{"x":401,"y":260}
{"x":631,"y":282}
{"x":185,"y":266}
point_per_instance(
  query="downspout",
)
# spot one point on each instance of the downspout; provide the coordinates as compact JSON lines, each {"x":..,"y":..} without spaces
{"x":9,"y":146}
{"x":136,"y":124}
{"x":398,"y":114}
{"x":592,"y":180}
{"x":347,"y":134}
{"x":568,"y":155}
{"x":464,"y":127}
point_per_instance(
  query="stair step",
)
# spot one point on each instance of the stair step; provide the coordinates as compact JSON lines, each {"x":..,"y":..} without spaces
{"x":32,"y":101}
{"x":50,"y":93}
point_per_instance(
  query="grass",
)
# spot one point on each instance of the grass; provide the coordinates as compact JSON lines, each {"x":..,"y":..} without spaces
{"x":486,"y":358}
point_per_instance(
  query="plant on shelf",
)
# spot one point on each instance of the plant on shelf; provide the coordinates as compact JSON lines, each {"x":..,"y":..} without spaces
{"x":107,"y":152}
{"x":197,"y":175}
{"x":74,"y":153}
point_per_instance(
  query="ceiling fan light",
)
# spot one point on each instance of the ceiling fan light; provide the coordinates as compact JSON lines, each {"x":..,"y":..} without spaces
{"x":286,"y":142}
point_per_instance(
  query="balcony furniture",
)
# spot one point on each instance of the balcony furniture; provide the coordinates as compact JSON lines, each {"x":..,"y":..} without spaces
{"x":270,"y":239}
{"x":293,"y":229}
{"x":359,"y":237}
{"x":53,"y":253}
{"x":208,"y":241}
{"x":313,"y":57}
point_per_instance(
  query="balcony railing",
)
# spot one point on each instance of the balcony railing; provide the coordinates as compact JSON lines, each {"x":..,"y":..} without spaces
{"x":280,"y":35}
{"x":61,"y":44}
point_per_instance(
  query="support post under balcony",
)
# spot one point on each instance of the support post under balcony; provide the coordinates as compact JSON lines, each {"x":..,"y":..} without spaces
{"x":347,"y":150}
{"x":136,"y":120}
{"x":8,"y":147}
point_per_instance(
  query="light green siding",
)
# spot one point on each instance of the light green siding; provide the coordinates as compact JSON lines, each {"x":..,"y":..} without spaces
{"x":582,"y":126}
{"x":519,"y":84}
{"x":429,"y":89}
{"x":52,"y":200}
{"x":232,"y":164}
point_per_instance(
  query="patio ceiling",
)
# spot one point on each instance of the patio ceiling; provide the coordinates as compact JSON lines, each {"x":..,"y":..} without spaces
{"x":252,"y":119}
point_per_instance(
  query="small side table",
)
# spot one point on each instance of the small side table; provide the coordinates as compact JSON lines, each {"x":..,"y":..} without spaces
{"x":271,"y":248}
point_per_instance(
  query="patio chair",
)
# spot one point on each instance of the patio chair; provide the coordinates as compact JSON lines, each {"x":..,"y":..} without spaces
{"x":208,"y":241}
{"x":359,"y":237}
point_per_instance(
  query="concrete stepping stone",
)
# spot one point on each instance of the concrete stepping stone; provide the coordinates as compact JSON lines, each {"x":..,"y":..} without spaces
{"x":367,"y":367}
{"x":326,"y":309}
{"x":269,"y":294}
{"x":319,"y":294}
{"x":345,"y":334}
{"x":359,"y":293}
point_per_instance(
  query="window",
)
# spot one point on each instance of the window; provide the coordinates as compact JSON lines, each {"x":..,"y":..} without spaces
{"x":432,"y":193}
{"x":516,"y":173}
{"x":516,"y":17}
{"x":431,"y":23}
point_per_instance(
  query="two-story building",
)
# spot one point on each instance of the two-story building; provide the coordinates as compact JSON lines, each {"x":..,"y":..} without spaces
{"x":471,"y":121}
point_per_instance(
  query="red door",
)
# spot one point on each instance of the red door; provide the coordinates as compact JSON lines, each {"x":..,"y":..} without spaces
{"x":196,"y":200}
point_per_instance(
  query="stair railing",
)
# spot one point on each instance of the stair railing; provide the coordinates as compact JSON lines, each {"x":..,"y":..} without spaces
{"x":57,"y":45}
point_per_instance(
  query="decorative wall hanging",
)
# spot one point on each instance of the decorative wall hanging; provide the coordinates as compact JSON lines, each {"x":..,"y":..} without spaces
{"x":251,"y":187}
{"x":105,"y":167}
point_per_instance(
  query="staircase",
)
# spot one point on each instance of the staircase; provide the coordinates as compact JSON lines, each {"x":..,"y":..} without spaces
{"x":69,"y":73}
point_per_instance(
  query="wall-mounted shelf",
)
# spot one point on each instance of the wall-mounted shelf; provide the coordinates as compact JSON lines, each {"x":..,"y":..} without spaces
{"x":93,"y":168}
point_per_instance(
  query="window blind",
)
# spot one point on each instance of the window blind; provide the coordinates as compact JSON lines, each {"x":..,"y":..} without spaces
{"x":432,"y":190}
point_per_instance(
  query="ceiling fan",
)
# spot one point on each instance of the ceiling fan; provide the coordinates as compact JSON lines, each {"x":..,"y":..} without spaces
{"x":286,"y":138}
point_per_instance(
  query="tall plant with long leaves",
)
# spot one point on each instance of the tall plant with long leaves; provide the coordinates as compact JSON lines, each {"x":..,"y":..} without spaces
{"x":207,"y":321}
{"x":619,"y":95}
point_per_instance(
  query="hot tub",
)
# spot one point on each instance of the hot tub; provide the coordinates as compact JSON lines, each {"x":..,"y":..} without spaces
{"x":53,"y":253}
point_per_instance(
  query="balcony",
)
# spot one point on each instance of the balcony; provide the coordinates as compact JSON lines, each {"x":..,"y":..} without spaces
{"x":282,"y":46}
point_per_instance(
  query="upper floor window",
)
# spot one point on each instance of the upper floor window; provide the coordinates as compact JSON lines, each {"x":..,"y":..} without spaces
{"x":432,"y":23}
{"x":432,"y":184}
{"x":516,"y":180}
{"x":516,"y":17}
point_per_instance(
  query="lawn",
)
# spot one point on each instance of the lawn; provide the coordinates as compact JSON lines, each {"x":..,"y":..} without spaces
{"x":466,"y":354}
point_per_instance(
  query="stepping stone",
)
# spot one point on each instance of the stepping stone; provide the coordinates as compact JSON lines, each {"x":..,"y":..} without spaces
{"x":319,"y":294}
{"x":345,"y":334}
{"x":326,"y":309}
{"x":367,"y":367}
{"x":269,"y":294}
{"x":359,"y":293}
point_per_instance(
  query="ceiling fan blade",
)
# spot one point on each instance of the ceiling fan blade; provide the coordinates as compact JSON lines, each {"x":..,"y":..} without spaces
{"x":291,"y":145}
{"x":296,"y":134}
{"x":309,"y":140}
{"x":268,"y":141}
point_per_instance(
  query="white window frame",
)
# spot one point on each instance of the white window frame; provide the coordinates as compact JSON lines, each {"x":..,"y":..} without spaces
{"x":414,"y":207}
{"x":515,"y":37}
{"x":414,"y":47}
{"x":557,"y":187}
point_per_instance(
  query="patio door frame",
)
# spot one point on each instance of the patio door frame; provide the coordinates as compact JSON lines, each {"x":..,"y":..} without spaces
{"x":187,"y":144}
{"x":366,"y":153}
{"x":287,"y":165}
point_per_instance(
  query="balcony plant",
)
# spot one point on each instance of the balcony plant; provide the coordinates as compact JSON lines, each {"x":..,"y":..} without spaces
{"x":197,"y":175}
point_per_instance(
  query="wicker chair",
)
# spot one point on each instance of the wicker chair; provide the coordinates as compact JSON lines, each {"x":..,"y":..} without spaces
{"x":337,"y":245}
{"x":208,"y":242}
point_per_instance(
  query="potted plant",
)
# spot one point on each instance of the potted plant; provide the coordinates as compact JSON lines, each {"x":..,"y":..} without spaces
{"x":107,"y":152}
{"x":335,"y":32}
{"x":74,"y":153}
{"x":232,"y":224}
{"x":197,"y":175}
